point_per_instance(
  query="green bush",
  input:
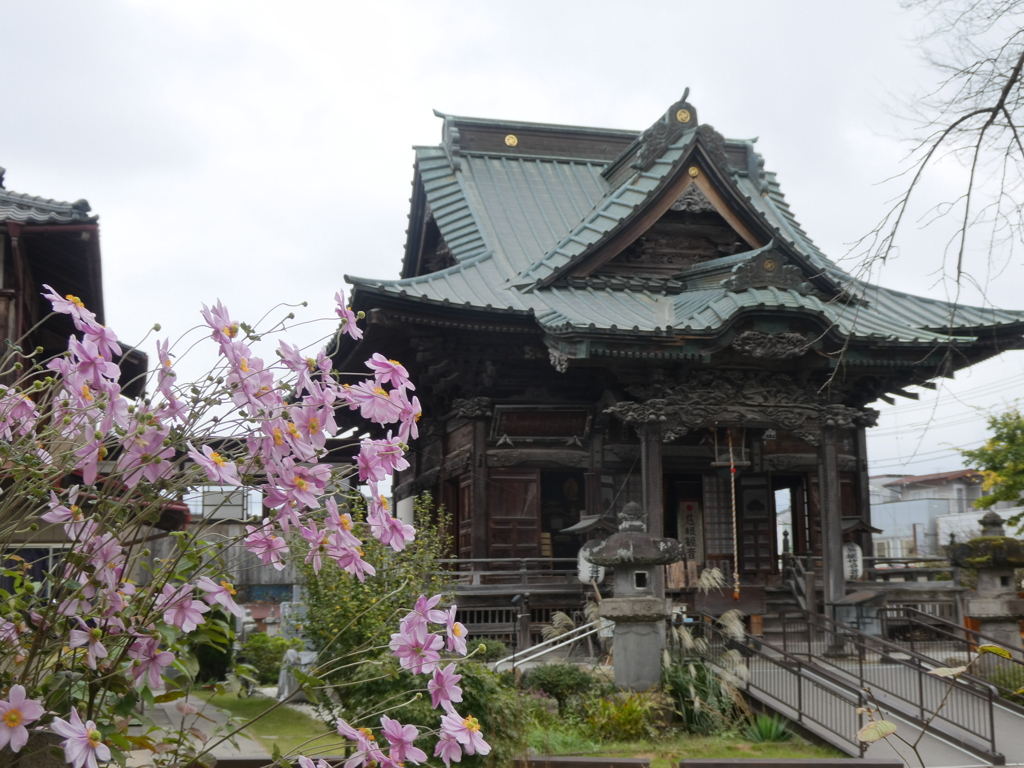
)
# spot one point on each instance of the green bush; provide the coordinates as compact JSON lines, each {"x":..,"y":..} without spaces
{"x":562,"y":682}
{"x":704,"y":703}
{"x":494,"y":650}
{"x":211,"y":644}
{"x":623,"y":717}
{"x":766,"y":729}
{"x":265,"y":654}
{"x":1009,"y":679}
{"x":381,"y":684}
{"x":345,"y":617}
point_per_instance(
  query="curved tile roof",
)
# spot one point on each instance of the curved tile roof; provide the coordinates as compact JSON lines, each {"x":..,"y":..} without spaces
{"x":514,"y":218}
{"x":39,"y":211}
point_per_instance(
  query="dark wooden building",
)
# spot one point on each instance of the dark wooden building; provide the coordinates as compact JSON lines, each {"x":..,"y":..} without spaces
{"x":592,"y":315}
{"x":49,"y":242}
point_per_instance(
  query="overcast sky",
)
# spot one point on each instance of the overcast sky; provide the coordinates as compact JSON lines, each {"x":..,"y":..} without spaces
{"x":256,"y":152}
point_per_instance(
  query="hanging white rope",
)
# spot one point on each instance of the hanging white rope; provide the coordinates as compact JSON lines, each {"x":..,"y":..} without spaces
{"x":735,"y":536}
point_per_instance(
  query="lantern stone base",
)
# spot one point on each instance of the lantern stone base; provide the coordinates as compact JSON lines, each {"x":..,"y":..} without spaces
{"x":630,"y":609}
{"x":639,"y":639}
{"x":637,"y":652}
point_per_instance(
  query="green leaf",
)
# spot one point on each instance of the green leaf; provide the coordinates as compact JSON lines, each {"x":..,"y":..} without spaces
{"x":163,"y":698}
{"x":125,"y":704}
{"x":947,"y":671}
{"x":187,"y":663}
{"x":876,"y":730}
{"x":994,"y":649}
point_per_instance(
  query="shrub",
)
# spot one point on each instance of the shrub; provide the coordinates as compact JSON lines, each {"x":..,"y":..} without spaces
{"x":381,"y":684}
{"x":1009,"y":679}
{"x":265,"y":654}
{"x":765,"y":729}
{"x":704,"y":703}
{"x":494,"y":650}
{"x":562,"y":682}
{"x":623,"y":717}
{"x":345,"y":615}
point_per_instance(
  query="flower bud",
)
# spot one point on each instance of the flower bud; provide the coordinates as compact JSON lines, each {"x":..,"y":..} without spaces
{"x":156,"y":327}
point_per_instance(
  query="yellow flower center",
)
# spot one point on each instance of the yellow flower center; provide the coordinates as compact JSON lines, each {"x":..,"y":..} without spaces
{"x":75,"y":300}
{"x":368,"y":734}
{"x":471,"y":724}
{"x":12,"y":719}
{"x":86,"y":392}
{"x":379,"y":391}
{"x":217,"y":459}
{"x":346,"y":522}
{"x":300,"y":483}
{"x":314,"y":426}
{"x":384,"y":503}
{"x":231,"y":330}
{"x":311,"y":364}
{"x":167,"y":363}
{"x":293,"y":429}
{"x":102,"y":452}
{"x":95,"y":738}
{"x":244,"y":365}
{"x":76,"y":512}
{"x":278,"y":436}
{"x":457,"y":629}
{"x":394,"y":362}
{"x":228,"y":587}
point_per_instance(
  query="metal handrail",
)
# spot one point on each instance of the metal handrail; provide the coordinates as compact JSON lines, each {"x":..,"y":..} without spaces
{"x":964,"y":640}
{"x":969,"y":707}
{"x":851,"y":702}
{"x":536,"y":651}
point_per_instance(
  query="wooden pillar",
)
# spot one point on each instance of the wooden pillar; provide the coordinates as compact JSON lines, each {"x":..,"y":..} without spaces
{"x":864,"y":491}
{"x":798,"y":504}
{"x":831,"y":519}
{"x":652,"y":494}
{"x":480,"y":518}
{"x":652,"y":483}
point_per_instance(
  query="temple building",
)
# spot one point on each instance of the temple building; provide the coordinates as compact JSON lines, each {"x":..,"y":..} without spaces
{"x":594,"y":317}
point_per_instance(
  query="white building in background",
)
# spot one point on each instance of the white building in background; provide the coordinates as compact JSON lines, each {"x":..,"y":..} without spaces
{"x":909,"y":509}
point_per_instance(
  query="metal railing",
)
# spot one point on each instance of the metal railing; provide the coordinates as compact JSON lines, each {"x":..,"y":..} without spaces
{"x":536,"y":651}
{"x":511,"y":571}
{"x":908,"y":568}
{"x":950,"y":644}
{"x":898,"y":677}
{"x":792,"y":686}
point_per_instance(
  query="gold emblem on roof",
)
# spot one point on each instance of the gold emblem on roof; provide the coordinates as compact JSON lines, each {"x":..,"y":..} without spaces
{"x":694,"y":171}
{"x":769,"y":265}
{"x":683,"y":115}
{"x":511,"y":140}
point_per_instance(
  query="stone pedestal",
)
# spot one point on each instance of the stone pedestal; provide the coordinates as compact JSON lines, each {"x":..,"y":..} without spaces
{"x":639,"y":608}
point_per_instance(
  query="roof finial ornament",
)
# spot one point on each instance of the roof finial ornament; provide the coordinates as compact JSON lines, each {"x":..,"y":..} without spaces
{"x":680,"y":118}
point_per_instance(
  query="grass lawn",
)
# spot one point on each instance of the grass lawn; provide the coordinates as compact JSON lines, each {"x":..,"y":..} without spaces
{"x":290,"y":730}
{"x":285,"y":727}
{"x":668,"y":753}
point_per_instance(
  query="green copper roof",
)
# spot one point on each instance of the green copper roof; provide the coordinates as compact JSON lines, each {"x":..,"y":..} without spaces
{"x":515,"y":217}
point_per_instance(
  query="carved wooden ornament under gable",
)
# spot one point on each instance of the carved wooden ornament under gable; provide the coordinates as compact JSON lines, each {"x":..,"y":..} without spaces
{"x":740,"y":398}
{"x":771,"y":346}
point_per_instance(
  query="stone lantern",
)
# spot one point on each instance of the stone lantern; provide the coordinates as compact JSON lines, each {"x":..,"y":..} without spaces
{"x":639,"y":608}
{"x":995,"y":604}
